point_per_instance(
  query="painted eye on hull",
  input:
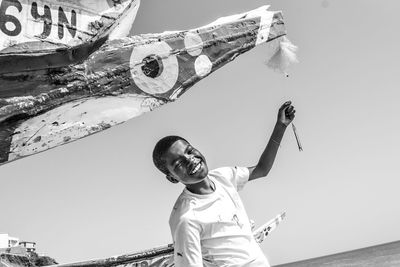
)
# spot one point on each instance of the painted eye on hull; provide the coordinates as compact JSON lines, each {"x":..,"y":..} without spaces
{"x":154,"y":68}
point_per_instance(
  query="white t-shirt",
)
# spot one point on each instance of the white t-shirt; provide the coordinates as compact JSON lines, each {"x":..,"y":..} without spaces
{"x":213,"y":229}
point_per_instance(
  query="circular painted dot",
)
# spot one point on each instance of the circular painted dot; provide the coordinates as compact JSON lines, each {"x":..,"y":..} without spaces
{"x":202,"y":65}
{"x":10,"y":26}
{"x":193,"y":44}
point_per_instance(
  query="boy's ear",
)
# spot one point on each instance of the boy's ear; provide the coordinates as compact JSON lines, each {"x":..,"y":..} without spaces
{"x":171,"y":179}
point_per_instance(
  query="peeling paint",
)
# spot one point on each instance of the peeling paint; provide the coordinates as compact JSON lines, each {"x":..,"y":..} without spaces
{"x":99,"y":114}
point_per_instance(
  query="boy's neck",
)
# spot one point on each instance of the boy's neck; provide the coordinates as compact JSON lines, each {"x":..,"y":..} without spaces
{"x":204,"y":187}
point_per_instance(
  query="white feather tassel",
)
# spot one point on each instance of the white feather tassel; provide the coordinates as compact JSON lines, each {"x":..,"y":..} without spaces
{"x":284,"y":56}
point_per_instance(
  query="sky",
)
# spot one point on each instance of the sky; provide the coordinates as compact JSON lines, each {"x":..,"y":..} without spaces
{"x":101,"y":196}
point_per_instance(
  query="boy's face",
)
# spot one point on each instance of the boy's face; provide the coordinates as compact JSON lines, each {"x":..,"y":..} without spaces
{"x":185,"y":163}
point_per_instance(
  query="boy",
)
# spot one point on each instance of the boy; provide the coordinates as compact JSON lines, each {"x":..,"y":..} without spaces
{"x":209,"y":224}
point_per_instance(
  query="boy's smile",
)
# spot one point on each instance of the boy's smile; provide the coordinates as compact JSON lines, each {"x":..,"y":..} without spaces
{"x":185,"y":163}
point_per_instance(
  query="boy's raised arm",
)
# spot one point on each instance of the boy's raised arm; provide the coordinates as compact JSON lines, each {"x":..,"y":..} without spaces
{"x":286,"y":115}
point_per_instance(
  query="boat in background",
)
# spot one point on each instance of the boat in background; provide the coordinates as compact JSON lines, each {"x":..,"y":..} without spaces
{"x":45,"y":34}
{"x":155,"y":257}
{"x":163,"y":256}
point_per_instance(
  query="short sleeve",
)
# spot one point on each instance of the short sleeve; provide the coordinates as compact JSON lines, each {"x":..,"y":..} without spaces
{"x":241,"y":176}
{"x":187,"y":247}
{"x":237,"y":176}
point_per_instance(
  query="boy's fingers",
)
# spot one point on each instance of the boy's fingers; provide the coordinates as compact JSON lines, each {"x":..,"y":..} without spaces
{"x":285,"y":105}
{"x":290,"y":115}
{"x":290,"y":112}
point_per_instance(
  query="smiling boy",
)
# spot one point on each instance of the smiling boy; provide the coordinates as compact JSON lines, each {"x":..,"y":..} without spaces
{"x":209,"y":224}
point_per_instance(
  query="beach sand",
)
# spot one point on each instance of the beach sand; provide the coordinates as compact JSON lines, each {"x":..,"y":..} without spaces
{"x":385,"y":255}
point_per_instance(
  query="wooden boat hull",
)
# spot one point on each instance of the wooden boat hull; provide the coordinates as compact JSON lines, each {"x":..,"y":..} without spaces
{"x":123,"y":79}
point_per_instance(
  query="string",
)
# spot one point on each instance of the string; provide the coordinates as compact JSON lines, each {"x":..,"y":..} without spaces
{"x":297,"y":137}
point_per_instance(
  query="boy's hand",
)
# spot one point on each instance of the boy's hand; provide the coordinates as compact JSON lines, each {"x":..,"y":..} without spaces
{"x":286,"y":113}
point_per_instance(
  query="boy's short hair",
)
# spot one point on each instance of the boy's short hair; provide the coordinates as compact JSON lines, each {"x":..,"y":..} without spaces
{"x":159,"y":150}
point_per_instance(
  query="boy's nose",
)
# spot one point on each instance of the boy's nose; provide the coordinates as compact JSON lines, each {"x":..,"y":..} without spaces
{"x":189,"y":158}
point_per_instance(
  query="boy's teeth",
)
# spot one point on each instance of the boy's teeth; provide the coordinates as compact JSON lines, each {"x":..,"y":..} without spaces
{"x":196,"y":168}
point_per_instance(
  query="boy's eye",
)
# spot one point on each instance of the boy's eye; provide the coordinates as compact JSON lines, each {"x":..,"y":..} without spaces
{"x":178,"y":164}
